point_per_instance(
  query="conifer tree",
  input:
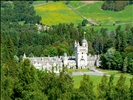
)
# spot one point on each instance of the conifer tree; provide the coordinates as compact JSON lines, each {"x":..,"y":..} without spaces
{"x":110,"y":89}
{"x":121,"y":90}
{"x":123,"y":42}
{"x":117,"y":38}
{"x":125,"y":65}
{"x":102,"y":88}
{"x":10,"y":47}
{"x":86,"y":88}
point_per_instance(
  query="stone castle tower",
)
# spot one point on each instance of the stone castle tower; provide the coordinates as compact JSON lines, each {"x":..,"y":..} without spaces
{"x":81,"y":53}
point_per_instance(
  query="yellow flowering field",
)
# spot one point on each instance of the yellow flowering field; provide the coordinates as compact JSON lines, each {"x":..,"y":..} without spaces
{"x":57,"y":12}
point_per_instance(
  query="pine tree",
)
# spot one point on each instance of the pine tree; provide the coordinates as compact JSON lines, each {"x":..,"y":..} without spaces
{"x":27,"y":84}
{"x":117,"y":38}
{"x":10,"y":47}
{"x":117,"y":43}
{"x":121,"y":90}
{"x":123,"y":42}
{"x":110,"y":90}
{"x":125,"y":65}
{"x":102,"y":88}
{"x":86,"y":88}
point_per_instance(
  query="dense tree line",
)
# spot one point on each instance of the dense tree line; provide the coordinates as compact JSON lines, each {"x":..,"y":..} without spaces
{"x":14,"y":11}
{"x":22,"y":81}
{"x":115,"y":5}
{"x":120,"y":56}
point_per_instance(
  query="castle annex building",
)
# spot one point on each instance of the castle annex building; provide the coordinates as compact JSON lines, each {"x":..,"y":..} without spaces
{"x":79,"y":61}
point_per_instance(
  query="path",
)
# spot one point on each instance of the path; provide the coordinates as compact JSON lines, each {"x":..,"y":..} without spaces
{"x":90,"y":21}
{"x":94,"y":73}
{"x":93,"y":22}
{"x":86,"y":3}
{"x":81,"y":6}
{"x":43,"y":3}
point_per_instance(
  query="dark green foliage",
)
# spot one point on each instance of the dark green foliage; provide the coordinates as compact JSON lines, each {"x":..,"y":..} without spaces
{"x":110,"y":90}
{"x":121,"y":90}
{"x":130,"y":62}
{"x":32,"y":84}
{"x":84,"y":22}
{"x":98,"y":44}
{"x":102,"y":89}
{"x":86,"y":89}
{"x":19,"y":11}
{"x":118,"y":59}
{"x":115,"y":5}
{"x":24,"y":85}
{"x":123,"y":42}
{"x":10,"y":47}
{"x":112,"y":60}
{"x":125,"y":64}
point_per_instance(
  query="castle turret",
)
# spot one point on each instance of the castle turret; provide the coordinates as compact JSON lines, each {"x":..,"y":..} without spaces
{"x":78,"y":43}
{"x":24,"y":56}
{"x":84,"y":43}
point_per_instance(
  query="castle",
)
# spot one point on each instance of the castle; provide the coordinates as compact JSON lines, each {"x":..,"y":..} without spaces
{"x":79,"y":61}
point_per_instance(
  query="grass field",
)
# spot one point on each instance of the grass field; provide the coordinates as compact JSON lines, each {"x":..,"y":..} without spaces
{"x":94,"y":11}
{"x":108,"y":27}
{"x":76,"y":4}
{"x":96,"y":80}
{"x":115,"y":72}
{"x":58,"y":12}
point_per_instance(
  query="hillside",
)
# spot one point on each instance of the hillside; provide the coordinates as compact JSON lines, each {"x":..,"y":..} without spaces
{"x":58,"y":12}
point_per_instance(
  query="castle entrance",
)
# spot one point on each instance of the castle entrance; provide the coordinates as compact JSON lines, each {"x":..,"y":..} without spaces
{"x":82,"y":63}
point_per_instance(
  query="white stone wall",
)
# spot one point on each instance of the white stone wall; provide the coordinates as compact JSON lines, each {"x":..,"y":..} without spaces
{"x":81,"y":60}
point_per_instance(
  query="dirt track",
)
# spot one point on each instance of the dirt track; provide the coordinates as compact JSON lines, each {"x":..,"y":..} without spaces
{"x":90,"y":1}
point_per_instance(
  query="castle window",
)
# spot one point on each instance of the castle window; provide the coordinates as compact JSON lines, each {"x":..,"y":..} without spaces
{"x":82,"y":52}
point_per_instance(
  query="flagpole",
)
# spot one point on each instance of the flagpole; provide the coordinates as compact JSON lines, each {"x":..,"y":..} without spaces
{"x":84,"y":34}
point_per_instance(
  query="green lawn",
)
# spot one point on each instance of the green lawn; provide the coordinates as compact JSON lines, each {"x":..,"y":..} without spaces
{"x":96,"y":80}
{"x":95,"y":12}
{"x":115,"y":72}
{"x":57,"y":12}
{"x":108,"y":27}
